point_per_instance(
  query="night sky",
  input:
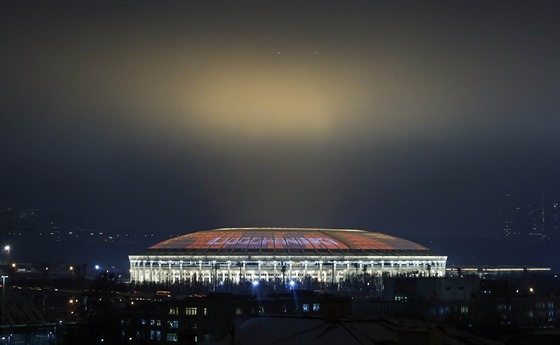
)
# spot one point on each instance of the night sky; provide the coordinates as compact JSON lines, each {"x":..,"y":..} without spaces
{"x":405,"y":117}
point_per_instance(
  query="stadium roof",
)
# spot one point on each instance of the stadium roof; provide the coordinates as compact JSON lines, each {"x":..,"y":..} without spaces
{"x":292,"y":241}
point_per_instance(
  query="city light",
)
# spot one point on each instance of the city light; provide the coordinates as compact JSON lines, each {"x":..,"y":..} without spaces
{"x":7,"y":248}
{"x":256,"y":283}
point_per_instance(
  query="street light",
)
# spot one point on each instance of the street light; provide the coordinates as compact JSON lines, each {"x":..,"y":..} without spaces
{"x":7,"y":248}
{"x":3,"y":298}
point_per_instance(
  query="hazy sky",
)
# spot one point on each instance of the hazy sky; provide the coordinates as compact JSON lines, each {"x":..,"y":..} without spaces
{"x":404,"y":117}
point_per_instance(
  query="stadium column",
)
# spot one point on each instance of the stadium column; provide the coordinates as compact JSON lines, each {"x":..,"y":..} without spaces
{"x":441,"y":268}
{"x":181,"y":273}
{"x":229,"y":270}
{"x":239,"y":275}
{"x":171,"y":276}
{"x":290,"y":271}
{"x":132,"y":270}
{"x":137,"y":269}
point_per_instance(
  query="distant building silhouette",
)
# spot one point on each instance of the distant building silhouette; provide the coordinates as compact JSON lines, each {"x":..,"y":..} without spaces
{"x":530,"y":215}
{"x":8,"y":223}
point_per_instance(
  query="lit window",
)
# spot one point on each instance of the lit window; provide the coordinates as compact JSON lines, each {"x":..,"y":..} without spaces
{"x":173,"y":310}
{"x":172,"y":337}
{"x":315,"y":306}
{"x":238,"y":311}
{"x":158,"y":322}
{"x":158,"y":335}
{"x":190,"y":311}
{"x":173,"y":324}
{"x":305,"y":308}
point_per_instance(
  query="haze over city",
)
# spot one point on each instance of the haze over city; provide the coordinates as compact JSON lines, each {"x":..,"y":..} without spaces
{"x":414,"y":119}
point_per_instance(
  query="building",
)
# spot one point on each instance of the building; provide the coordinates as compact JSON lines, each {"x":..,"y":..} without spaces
{"x":430,"y":289}
{"x":281,"y":330}
{"x":188,"y":320}
{"x":530,"y":215}
{"x":209,"y":318}
{"x":286,"y":255}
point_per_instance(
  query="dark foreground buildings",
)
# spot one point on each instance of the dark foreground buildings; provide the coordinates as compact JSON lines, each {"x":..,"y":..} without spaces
{"x":520,"y":308}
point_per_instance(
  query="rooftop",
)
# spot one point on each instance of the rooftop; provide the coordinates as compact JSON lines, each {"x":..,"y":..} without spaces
{"x":293,"y":241}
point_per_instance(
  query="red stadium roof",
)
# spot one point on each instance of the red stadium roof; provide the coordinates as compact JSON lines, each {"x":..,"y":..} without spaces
{"x":287,"y":241}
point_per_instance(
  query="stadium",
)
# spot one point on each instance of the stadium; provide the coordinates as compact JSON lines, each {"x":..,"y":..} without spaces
{"x":282,"y":254}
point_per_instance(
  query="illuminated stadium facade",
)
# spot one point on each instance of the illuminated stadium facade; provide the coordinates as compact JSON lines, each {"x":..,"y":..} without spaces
{"x":282,"y":254}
